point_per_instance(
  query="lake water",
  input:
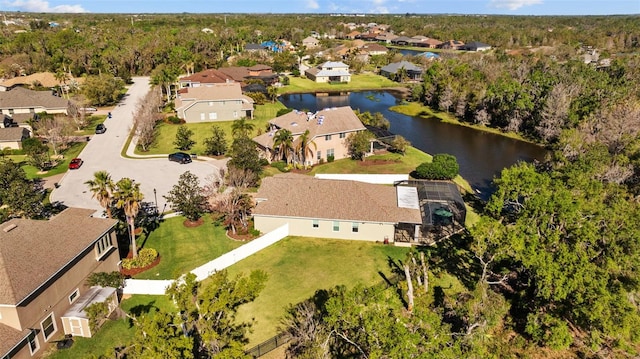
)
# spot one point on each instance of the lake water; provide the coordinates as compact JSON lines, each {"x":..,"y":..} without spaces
{"x":481,"y":155}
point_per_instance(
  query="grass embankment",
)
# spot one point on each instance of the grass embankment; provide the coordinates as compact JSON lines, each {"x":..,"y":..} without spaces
{"x":183,"y":249}
{"x":167,"y":132}
{"x":366,"y":81}
{"x":114,"y":333}
{"x":417,"y":110}
{"x":62,"y":166}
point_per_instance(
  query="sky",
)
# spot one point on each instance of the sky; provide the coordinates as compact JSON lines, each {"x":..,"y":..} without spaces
{"x":505,"y":7}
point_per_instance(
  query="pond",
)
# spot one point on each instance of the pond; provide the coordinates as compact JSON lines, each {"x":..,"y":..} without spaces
{"x":481,"y":155}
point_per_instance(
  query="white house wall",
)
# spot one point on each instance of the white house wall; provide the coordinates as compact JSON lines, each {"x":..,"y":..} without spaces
{"x":303,"y":227}
{"x":224,"y":111}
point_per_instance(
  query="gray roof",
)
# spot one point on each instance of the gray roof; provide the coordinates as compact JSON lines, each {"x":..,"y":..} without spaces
{"x":13,"y":134}
{"x":95,"y":294}
{"x":20,"y":97}
{"x":394,"y":67}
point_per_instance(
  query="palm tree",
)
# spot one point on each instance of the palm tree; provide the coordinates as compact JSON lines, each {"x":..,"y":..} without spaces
{"x":128,"y":197}
{"x":241,"y":128}
{"x":62,"y":78}
{"x":101,"y":187}
{"x":303,"y":146}
{"x":283,"y":143}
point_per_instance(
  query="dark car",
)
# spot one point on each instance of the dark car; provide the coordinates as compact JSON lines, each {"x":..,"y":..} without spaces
{"x":75,"y":163}
{"x":180,"y":157}
{"x":101,"y":128}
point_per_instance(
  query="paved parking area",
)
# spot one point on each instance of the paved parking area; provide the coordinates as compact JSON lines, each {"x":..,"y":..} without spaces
{"x":103,"y":152}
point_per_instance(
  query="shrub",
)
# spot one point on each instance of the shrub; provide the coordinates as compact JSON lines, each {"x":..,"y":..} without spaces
{"x":280,"y":165}
{"x":286,"y":81}
{"x":146,"y":256}
{"x":443,"y":167}
{"x":174,"y":119}
{"x":97,"y":313}
{"x":282,"y":111}
{"x":264,"y":162}
{"x":330,"y":158}
{"x":105,"y":279}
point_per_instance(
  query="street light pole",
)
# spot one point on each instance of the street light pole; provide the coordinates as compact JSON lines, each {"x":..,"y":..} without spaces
{"x":155,"y":196}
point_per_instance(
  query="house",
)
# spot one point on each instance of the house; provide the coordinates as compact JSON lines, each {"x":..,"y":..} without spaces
{"x":337,"y":209}
{"x":310,"y":42}
{"x":386,"y":37}
{"x":205,"y":77}
{"x":242,"y":74}
{"x":476,"y":46}
{"x":44,"y":266}
{"x":20,"y":100}
{"x":330,"y":71}
{"x":12,"y":137}
{"x":413,"y":72}
{"x":254,"y":48}
{"x":374,"y":49}
{"x":451,"y":45}
{"x":401,"y":41}
{"x":353,"y":35}
{"x":328,"y":131}
{"x":215,"y":102}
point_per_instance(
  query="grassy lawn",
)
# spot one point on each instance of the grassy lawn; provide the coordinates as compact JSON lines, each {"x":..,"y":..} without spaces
{"x":91,"y":125}
{"x":365,"y":81}
{"x":380,"y":164}
{"x":114,"y":333}
{"x":184,"y":249}
{"x":62,"y":167}
{"x":167,"y":132}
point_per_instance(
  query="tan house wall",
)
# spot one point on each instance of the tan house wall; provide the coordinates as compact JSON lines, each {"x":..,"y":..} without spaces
{"x":339,"y":146}
{"x":36,"y":109}
{"x":225,"y":111}
{"x":367,"y":231}
{"x":14,"y":145}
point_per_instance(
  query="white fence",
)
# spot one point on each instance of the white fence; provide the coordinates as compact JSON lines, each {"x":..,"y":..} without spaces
{"x":371,"y":178}
{"x":158,"y":287}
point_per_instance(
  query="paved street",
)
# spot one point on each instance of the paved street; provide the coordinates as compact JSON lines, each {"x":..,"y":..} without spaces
{"x":103,"y":152}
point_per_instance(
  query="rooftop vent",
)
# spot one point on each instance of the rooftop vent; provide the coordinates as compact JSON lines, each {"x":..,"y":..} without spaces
{"x":8,"y":228}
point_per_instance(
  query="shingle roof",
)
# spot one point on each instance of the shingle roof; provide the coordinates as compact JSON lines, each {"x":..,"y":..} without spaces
{"x":20,"y":97}
{"x":207,"y":77}
{"x":223,"y":91}
{"x":394,"y":67}
{"x":299,"y":196}
{"x":10,"y":337}
{"x":237,"y":73}
{"x":334,"y":120}
{"x":33,"y":251}
{"x":12,"y":134}
{"x":46,"y":79}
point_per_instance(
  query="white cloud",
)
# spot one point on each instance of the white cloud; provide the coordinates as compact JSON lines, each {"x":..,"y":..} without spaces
{"x":312,"y":4}
{"x":43,"y":6}
{"x":513,"y":4}
{"x":380,"y":10}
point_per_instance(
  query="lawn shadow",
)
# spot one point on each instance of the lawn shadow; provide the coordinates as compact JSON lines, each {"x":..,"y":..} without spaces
{"x":453,"y":256}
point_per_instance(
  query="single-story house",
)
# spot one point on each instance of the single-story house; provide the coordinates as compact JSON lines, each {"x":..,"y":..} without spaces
{"x":338,"y":209}
{"x":209,"y":76}
{"x":330,"y":71}
{"x":310,"y":42}
{"x":215,"y":102}
{"x":20,"y":100}
{"x":413,"y":71}
{"x":44,"y":79}
{"x":12,"y":137}
{"x":386,"y":37}
{"x":401,"y":40}
{"x":476,"y":46}
{"x":451,"y":45}
{"x":243,"y":74}
{"x":328,"y":131}
{"x":254,"y":48}
{"x":353,"y":35}
{"x":44,"y":266}
{"x":374,"y":49}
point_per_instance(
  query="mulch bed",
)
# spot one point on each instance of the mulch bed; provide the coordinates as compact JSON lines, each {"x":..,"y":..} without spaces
{"x":135,"y":271}
{"x":191,"y":224}
{"x":240,"y":237}
{"x":376,"y":162}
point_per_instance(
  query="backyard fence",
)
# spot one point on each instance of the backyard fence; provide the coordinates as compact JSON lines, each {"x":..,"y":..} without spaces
{"x":268,"y":345}
{"x":368,"y":178}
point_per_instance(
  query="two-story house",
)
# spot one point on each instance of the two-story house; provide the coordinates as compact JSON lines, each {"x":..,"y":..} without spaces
{"x":328,"y":132}
{"x":214,"y":102}
{"x":43,"y":269}
{"x":330,"y":71}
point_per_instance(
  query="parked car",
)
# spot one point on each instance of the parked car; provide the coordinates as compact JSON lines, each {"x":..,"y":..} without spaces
{"x":88,"y":109}
{"x":180,"y":157}
{"x":101,"y":128}
{"x":75,"y":163}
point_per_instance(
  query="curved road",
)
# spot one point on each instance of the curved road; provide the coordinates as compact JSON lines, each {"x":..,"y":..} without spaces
{"x":103,"y":152}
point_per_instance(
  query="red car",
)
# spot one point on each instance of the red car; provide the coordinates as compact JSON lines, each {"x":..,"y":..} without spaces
{"x":75,"y":164}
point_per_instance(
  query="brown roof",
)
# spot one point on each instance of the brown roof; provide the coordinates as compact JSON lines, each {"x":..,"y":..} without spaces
{"x":207,"y":77}
{"x":374,"y":47}
{"x":20,"y":97}
{"x":301,"y":196}
{"x":46,"y":79}
{"x":225,"y":91}
{"x":33,"y":251}
{"x":10,"y":337}
{"x":12,"y":134}
{"x":237,"y":73}
{"x":325,"y":122}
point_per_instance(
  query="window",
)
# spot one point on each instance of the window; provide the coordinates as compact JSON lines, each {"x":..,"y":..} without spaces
{"x":48,"y":327}
{"x":354,"y":227}
{"x":202,"y":116}
{"x":74,"y":296}
{"x":33,"y":342}
{"x":213,"y":115}
{"x":336,"y":226}
{"x":210,"y":103}
{"x":327,"y":137}
{"x":343,"y":135}
{"x":235,"y":114}
{"x":330,"y":153}
{"x":316,"y":223}
{"x":319,"y":156}
{"x":103,"y":245}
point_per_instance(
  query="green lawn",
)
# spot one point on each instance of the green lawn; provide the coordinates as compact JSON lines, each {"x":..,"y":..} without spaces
{"x":167,"y":132}
{"x":297,"y":267}
{"x":90,"y":128}
{"x":380,"y":164}
{"x":183,"y":249}
{"x":114,"y":333}
{"x":62,"y":167}
{"x":365,"y":81}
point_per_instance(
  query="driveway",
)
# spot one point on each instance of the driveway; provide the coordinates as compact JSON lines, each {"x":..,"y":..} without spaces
{"x":103,"y":152}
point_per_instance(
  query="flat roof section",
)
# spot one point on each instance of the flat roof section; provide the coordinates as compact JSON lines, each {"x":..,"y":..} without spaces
{"x":408,"y":197}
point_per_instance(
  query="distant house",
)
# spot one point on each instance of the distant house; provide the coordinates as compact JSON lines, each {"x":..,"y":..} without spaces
{"x":413,"y":71}
{"x":374,"y":49}
{"x":401,"y":41}
{"x":215,"y":102}
{"x":44,"y":267}
{"x":329,"y":71}
{"x":44,"y":79}
{"x":428,"y":55}
{"x":451,"y":45}
{"x":254,"y":47}
{"x":20,"y":100}
{"x":12,"y":137}
{"x":310,"y":42}
{"x":386,"y":37}
{"x":353,"y":35}
{"x":205,"y":77}
{"x":242,"y":75}
{"x":476,"y":46}
{"x":337,"y":209}
{"x":328,"y":130}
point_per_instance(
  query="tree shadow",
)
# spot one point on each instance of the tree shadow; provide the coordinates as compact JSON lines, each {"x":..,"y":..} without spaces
{"x":453,"y":256}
